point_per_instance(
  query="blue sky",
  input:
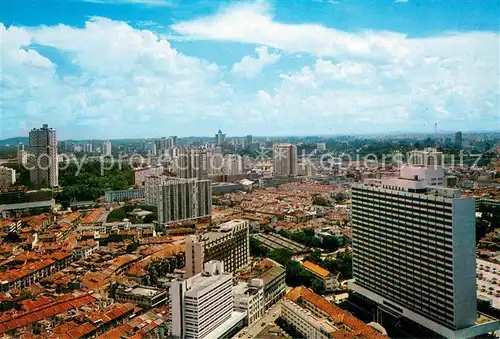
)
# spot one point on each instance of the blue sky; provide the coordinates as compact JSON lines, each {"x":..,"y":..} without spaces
{"x":149,"y":68}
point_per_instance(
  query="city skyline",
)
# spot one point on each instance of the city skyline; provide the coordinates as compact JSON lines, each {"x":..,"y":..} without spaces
{"x":171,"y":68}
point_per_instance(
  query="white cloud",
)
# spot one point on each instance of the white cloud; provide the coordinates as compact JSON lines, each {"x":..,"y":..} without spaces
{"x":254,"y":23}
{"x":250,"y":67}
{"x":159,"y":3}
{"x":121,"y":76}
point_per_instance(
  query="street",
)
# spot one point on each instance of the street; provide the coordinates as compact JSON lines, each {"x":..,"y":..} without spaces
{"x":269,"y":317}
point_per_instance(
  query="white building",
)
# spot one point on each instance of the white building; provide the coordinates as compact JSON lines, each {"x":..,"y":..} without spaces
{"x":7,"y":176}
{"x":229,"y":243}
{"x":122,"y":195}
{"x":321,"y":146}
{"x":191,"y":163}
{"x":249,"y":298}
{"x":203,"y":304}
{"x":153,"y":190}
{"x":414,"y":252}
{"x":426,"y":157}
{"x":43,"y":165}
{"x":285,"y":160}
{"x":106,"y":148}
{"x":22,"y":155}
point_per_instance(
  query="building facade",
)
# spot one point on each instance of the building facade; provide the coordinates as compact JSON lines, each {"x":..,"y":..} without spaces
{"x":122,"y":195}
{"x":201,"y":303}
{"x":7,"y":176}
{"x":230,"y":243}
{"x":285,"y":160}
{"x":414,"y":251}
{"x":249,"y":298}
{"x":184,"y":199}
{"x":43,"y":165}
{"x":140,"y":174}
{"x":106,"y":148}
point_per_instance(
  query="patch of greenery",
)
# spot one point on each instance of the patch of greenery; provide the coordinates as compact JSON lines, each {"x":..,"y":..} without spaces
{"x":90,"y":182}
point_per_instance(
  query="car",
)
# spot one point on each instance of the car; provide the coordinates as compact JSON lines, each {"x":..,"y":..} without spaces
{"x":263,"y":324}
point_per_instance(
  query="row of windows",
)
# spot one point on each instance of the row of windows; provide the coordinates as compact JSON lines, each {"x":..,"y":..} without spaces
{"x":363,"y":246}
{"x":428,"y":218}
{"x":399,"y":244}
{"x":412,"y":198}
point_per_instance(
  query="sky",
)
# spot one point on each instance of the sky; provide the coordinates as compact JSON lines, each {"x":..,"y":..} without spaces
{"x":150,"y":68}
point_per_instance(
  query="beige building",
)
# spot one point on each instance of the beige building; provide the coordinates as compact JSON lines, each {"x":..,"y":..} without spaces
{"x":228,"y":243}
{"x":7,"y":176}
{"x":330,"y":281}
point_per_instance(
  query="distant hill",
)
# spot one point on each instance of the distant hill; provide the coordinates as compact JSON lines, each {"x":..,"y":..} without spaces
{"x":14,"y":141}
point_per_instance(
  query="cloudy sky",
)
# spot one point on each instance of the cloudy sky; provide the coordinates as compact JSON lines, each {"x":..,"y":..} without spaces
{"x":149,"y":68}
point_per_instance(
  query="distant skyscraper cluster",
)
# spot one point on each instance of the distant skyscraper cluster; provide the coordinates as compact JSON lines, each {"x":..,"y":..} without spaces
{"x":43,"y":162}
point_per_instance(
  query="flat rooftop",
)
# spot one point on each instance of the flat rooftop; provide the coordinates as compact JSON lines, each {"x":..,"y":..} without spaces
{"x":200,"y":282}
{"x":145,"y":291}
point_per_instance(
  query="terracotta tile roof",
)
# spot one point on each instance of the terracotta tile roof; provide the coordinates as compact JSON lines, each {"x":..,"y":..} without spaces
{"x":353,"y":327}
{"x":318,"y":270}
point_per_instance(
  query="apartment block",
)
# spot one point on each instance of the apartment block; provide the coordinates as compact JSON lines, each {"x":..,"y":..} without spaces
{"x":122,"y":195}
{"x":42,"y":162}
{"x":140,"y":174}
{"x":414,"y":252}
{"x":228,"y":243}
{"x":184,"y":199}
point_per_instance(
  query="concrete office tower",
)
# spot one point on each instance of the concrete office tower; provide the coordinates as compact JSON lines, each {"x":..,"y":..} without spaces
{"x":458,"y":140}
{"x":229,"y":243}
{"x":285,"y":160}
{"x":414,"y":252}
{"x":185,"y":199}
{"x":191,"y":163}
{"x":215,"y":162}
{"x":44,"y":170}
{"x":161,"y":146}
{"x":321,"y":146}
{"x":106,"y":148}
{"x":220,"y":138}
{"x":201,"y":303}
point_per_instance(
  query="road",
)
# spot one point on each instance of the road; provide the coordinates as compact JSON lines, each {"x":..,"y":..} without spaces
{"x":251,"y":332}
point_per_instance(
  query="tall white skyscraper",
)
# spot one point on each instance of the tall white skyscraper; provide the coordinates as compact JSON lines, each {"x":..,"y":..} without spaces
{"x":233,"y":164}
{"x":44,"y":170}
{"x":184,"y":199}
{"x":202,"y":303}
{"x":285,"y":160}
{"x":414,"y":252}
{"x":106,"y":148}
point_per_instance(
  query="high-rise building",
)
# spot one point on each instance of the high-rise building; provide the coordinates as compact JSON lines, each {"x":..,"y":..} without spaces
{"x":233,"y":164}
{"x":22,"y":155}
{"x":220,"y":138}
{"x":202,"y":303}
{"x":44,"y":170}
{"x":285,"y":160}
{"x":414,"y":252}
{"x":321,"y":146}
{"x":106,"y":148}
{"x":184,"y":199}
{"x":153,"y":190}
{"x":248,"y":140}
{"x":191,"y":163}
{"x":458,"y":140}
{"x":228,"y":243}
{"x":171,"y":142}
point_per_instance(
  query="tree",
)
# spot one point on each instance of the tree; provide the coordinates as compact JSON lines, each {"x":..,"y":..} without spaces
{"x":318,"y":287}
{"x":315,"y":257}
{"x":256,"y":249}
{"x":281,"y":255}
